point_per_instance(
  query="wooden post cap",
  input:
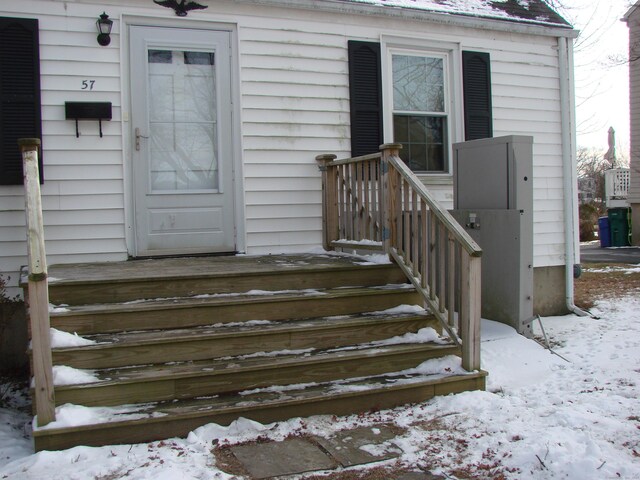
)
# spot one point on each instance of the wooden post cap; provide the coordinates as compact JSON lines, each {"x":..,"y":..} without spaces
{"x":326,"y":157}
{"x":27,"y":144}
{"x":391,"y":146}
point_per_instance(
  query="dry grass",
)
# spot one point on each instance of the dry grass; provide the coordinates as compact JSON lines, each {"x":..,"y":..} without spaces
{"x":604,"y":281}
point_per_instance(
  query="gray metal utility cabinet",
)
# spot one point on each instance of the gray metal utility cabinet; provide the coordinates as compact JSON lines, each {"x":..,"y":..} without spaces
{"x":493,"y":201}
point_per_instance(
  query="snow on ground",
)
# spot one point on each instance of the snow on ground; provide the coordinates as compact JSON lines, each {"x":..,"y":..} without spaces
{"x":542,"y":417}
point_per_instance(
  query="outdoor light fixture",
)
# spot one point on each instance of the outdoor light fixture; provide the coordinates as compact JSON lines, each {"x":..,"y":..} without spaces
{"x":104,"y":25}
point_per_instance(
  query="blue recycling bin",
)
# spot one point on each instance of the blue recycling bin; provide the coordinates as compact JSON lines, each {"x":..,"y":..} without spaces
{"x":604,"y":232}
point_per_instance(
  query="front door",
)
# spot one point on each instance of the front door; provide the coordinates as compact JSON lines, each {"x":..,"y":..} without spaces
{"x":181,"y":135}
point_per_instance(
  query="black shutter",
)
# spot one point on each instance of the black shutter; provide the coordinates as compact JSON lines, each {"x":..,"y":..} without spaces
{"x":478,"y":117}
{"x":19,"y":93}
{"x":365,"y":90}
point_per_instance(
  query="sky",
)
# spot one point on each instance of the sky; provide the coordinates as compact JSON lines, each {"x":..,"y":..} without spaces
{"x":602,"y":83}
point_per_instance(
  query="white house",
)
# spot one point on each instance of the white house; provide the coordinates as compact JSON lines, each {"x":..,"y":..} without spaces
{"x":211,"y":121}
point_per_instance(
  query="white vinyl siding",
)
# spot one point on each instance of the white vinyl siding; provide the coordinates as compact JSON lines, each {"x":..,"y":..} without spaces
{"x":82,"y":195}
{"x":634,"y":108}
{"x":294,"y":93}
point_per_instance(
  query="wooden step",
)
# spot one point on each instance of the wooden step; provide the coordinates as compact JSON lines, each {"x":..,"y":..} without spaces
{"x":170,"y":419}
{"x":197,"y":311}
{"x":212,"y":377}
{"x":179,"y":277}
{"x":181,"y":345}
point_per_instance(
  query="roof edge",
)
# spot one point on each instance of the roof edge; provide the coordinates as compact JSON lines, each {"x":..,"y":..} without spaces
{"x":452,"y":19}
{"x":630,"y":12}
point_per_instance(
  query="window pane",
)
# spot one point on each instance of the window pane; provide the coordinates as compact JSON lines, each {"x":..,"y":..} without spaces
{"x":160,"y":56}
{"x":198,"y":58}
{"x":418,"y":83}
{"x":182,"y":120}
{"x":423,"y":140}
{"x":400,"y":128}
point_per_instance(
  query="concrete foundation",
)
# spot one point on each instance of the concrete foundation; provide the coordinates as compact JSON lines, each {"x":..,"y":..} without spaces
{"x":14,"y":340}
{"x":549,"y":291}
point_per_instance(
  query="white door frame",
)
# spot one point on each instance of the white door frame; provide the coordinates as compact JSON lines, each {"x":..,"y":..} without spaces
{"x":127,"y":134}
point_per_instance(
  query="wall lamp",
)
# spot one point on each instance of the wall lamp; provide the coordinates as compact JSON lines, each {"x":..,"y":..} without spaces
{"x":104,"y":24}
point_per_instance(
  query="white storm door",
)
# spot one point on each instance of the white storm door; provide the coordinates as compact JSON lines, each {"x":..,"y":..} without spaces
{"x":181,"y":141}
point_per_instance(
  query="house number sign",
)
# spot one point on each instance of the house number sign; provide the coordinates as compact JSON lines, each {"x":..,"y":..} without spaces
{"x":87,"y":84}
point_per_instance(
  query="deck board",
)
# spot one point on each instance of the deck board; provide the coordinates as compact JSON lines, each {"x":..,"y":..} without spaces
{"x":191,"y":267}
{"x":169,"y":419}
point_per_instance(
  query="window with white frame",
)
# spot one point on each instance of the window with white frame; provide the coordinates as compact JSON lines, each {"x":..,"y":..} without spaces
{"x":421,"y":110}
{"x":423,"y":94}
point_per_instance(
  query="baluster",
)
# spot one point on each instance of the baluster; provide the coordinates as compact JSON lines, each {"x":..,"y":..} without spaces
{"x":379,"y":203}
{"x":451,"y":278}
{"x":432,"y":255}
{"x":341,"y":200}
{"x":424,"y":245}
{"x":366,"y":180}
{"x":406,"y":224}
{"x":442,"y":266}
{"x":415,"y":235}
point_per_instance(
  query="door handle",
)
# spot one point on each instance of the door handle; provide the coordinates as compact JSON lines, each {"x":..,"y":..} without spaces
{"x":138,"y":137}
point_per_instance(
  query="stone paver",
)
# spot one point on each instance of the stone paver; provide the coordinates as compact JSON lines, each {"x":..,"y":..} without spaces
{"x":288,"y":457}
{"x":347,"y":448}
{"x":361,"y":445}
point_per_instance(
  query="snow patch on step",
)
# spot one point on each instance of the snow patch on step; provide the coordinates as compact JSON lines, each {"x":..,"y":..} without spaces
{"x":412,"y":309}
{"x":58,"y":308}
{"x":424,"y":335}
{"x":70,"y":415}
{"x":64,"y":375}
{"x":60,"y":339}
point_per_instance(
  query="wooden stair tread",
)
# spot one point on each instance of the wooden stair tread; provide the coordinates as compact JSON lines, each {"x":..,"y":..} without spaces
{"x":271,"y":360}
{"x":237,"y":329}
{"x":223,"y":299}
{"x":206,"y":266}
{"x":155,"y":421}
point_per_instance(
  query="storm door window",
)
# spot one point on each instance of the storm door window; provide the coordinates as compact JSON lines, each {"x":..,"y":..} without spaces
{"x":420,"y":114}
{"x":183,"y":120}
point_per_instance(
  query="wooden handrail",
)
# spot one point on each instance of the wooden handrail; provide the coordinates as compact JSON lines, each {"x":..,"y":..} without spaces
{"x":468,"y":243}
{"x":377,"y":199}
{"x":38,"y":293}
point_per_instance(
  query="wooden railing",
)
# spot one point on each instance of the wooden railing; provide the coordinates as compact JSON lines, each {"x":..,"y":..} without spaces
{"x":38,"y":293}
{"x":376,"y":202}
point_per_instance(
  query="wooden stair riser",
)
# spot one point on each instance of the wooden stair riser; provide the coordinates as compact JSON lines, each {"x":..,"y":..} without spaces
{"x":205,"y":383}
{"x":240,"y":343}
{"x":147,"y":430}
{"x":130,"y":290}
{"x":267,"y":308}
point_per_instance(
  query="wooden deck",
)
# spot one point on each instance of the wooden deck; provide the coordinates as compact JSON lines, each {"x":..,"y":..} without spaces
{"x":187,"y":341}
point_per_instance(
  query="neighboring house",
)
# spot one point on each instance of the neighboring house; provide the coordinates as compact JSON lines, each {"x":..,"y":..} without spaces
{"x":587,"y":187}
{"x":263,"y":86}
{"x":632,"y":18}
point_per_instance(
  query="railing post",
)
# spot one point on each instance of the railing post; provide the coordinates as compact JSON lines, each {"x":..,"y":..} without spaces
{"x":38,"y":289}
{"x":389,"y":195}
{"x":330,"y":227}
{"x":470,"y":312}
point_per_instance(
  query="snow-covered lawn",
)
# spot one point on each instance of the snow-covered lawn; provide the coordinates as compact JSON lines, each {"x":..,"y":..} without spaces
{"x":542,"y":417}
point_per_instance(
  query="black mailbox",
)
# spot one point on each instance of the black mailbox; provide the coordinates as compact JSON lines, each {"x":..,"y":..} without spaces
{"x":87,"y":111}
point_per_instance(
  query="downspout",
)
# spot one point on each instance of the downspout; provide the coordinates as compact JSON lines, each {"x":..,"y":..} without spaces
{"x":569,"y":171}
